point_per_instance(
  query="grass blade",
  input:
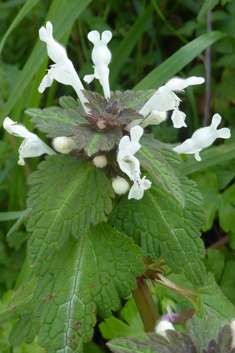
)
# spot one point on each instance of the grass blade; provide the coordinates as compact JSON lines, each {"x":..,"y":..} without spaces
{"x":177,"y":61}
{"x":23,"y":12}
{"x":66,"y":14}
{"x":210,"y":157}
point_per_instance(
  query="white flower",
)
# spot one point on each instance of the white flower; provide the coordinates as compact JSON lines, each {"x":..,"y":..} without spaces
{"x":63,"y":71}
{"x":203,"y":138}
{"x":137,"y":189}
{"x":32,"y":146}
{"x":162,"y":326}
{"x":64,"y":144}
{"x":130,"y":165}
{"x":165,"y":99}
{"x":120,"y":185}
{"x":101,"y":57}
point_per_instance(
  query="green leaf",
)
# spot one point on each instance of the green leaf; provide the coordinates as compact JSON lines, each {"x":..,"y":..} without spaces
{"x":215,"y":263}
{"x":210,"y":157}
{"x":177,"y":61}
{"x":227,"y":283}
{"x":25,"y":329}
{"x":161,"y":226}
{"x":93,"y":141}
{"x":202,"y":336}
{"x":95,"y":270}
{"x":130,"y":99}
{"x":20,"y":304}
{"x":57,"y":121}
{"x":207,"y":6}
{"x":177,"y":342}
{"x":214,"y":201}
{"x":203,"y":330}
{"x":131,"y":326}
{"x":70,"y":195}
{"x":157,"y":158}
{"x":213,"y":302}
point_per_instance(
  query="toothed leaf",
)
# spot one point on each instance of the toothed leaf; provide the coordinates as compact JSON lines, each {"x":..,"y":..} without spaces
{"x":161,"y":226}
{"x":85,"y":277}
{"x":56,"y":121}
{"x":93,"y":141}
{"x":69,"y":196}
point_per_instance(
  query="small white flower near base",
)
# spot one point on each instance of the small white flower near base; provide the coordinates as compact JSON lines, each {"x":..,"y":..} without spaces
{"x":32,"y":146}
{"x":203,"y":138}
{"x":130,"y":165}
{"x":101,"y":57}
{"x":162,"y":326}
{"x":63,"y":70}
{"x":165,"y":99}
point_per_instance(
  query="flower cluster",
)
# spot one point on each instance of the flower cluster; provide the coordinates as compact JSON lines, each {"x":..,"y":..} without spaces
{"x":126,"y":125}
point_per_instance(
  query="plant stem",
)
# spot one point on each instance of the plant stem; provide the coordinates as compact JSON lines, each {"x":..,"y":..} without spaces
{"x":145,"y":304}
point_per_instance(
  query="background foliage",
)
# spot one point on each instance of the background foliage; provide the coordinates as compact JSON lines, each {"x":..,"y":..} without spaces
{"x":152,"y":41}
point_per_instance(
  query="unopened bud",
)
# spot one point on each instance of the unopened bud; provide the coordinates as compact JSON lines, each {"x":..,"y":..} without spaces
{"x":162,"y":326}
{"x":120,"y":185}
{"x":154,"y":118}
{"x":101,"y":124}
{"x":64,"y":144}
{"x":100,"y":161}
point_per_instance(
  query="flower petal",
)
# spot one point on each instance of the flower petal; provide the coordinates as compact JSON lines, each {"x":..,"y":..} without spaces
{"x":15,"y":129}
{"x":46,"y":82}
{"x":178,"y":119}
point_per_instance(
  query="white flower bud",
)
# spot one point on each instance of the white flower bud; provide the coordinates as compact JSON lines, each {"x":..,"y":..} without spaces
{"x":162,"y":326}
{"x":64,"y":144}
{"x":120,"y":185}
{"x":100,"y":161}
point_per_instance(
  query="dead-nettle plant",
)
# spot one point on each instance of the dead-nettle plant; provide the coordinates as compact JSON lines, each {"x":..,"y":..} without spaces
{"x":108,"y":208}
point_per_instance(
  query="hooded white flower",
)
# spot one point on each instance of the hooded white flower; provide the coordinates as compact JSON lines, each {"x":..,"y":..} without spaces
{"x":203,"y":138}
{"x":162,"y":326}
{"x":101,"y":57}
{"x":130,"y":165}
{"x":32,"y":146}
{"x":165,"y":99}
{"x":63,"y":71}
{"x":137,"y":189}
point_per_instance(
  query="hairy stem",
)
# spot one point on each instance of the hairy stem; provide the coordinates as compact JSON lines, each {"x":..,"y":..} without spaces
{"x":145,"y":304}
